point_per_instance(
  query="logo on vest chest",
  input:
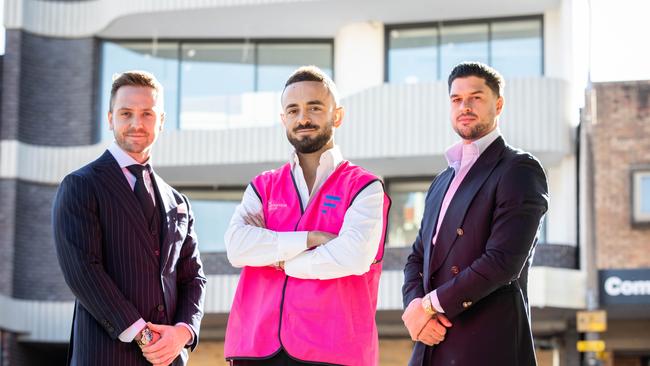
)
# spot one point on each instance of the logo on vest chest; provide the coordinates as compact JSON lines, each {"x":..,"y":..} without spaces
{"x":272,"y":205}
{"x":330,"y":202}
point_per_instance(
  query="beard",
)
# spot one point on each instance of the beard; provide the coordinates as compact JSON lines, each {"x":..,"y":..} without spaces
{"x":308,"y":145}
{"x":475,"y":132}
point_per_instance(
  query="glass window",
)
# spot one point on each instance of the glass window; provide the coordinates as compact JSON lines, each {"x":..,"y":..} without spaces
{"x":212,"y":213}
{"x":408,"y":199}
{"x":413,"y":55}
{"x":426,"y":53}
{"x":276,"y":61}
{"x":215,"y":82}
{"x":460,"y":43}
{"x":214,"y":85}
{"x":159,"y":58}
{"x":641,"y":197}
{"x":517,"y":47}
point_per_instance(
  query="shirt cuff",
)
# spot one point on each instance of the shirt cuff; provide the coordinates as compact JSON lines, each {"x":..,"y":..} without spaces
{"x":191,"y":341}
{"x":129,"y":334}
{"x":291,"y":243}
{"x":435,"y":302}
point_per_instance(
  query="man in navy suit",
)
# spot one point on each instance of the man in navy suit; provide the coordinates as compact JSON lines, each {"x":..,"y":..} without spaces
{"x":126,"y":244}
{"x":465,"y":285}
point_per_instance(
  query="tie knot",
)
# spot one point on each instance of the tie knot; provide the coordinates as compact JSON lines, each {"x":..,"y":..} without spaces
{"x":137,"y":169}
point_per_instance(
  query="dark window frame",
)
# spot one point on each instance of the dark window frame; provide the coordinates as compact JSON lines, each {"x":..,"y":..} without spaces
{"x":636,"y":222}
{"x":179,"y":44}
{"x":439,"y":24}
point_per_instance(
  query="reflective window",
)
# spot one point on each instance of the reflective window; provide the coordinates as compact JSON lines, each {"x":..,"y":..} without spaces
{"x":161,"y":59}
{"x":413,"y":55}
{"x":641,"y":197}
{"x":277,"y":61}
{"x":216,"y":80}
{"x":212,"y":213}
{"x":214,"y":85}
{"x":407,"y":209}
{"x":462,"y":43}
{"x":425,"y":53}
{"x":517,"y":47}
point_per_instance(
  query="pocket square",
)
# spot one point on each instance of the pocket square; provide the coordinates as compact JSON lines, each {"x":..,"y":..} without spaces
{"x":181,"y":209}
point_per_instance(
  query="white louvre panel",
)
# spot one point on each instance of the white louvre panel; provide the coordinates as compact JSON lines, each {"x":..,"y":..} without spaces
{"x":387,"y":121}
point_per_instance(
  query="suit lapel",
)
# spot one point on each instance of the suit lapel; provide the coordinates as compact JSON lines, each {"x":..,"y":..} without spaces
{"x":114,"y":181}
{"x":165,"y":196}
{"x":462,"y":199}
{"x":433,"y":205}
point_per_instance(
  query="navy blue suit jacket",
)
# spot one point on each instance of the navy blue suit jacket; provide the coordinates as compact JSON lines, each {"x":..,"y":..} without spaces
{"x":117,"y":270}
{"x":479,"y":265}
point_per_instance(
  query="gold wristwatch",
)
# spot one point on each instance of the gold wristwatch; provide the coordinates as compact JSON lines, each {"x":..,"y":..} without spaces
{"x":145,"y":337}
{"x":427,"y":306}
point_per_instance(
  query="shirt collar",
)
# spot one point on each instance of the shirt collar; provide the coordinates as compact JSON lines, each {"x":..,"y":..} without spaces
{"x":123,"y":159}
{"x":331,"y":158}
{"x":454,"y":153}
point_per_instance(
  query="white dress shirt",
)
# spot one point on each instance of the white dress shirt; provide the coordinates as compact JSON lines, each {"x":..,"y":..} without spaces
{"x":124,"y":160}
{"x":461,"y":157}
{"x":351,"y":253}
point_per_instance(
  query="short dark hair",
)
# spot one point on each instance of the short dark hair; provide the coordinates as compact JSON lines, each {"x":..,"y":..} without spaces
{"x":313,"y":73}
{"x":135,"y":78}
{"x":492,"y":77}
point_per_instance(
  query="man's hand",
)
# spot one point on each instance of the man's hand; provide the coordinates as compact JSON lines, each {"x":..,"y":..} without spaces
{"x":164,"y":350}
{"x":415,"y":318}
{"x":255,"y":219}
{"x":316,"y":238}
{"x":434,"y":331}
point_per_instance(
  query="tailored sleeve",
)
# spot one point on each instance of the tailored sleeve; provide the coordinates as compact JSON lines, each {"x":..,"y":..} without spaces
{"x":78,"y":241}
{"x":521,"y":201}
{"x":354,"y":249}
{"x":248,"y":245}
{"x":191,"y":282}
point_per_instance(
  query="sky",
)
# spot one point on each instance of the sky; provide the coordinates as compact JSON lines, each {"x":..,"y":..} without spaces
{"x":619,"y":39}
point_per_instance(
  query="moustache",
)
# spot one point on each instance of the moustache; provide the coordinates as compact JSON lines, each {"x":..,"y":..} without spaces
{"x":307,"y":126}
{"x":467,"y":115}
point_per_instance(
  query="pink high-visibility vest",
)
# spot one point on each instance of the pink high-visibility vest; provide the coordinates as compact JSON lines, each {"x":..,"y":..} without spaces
{"x":325,"y":321}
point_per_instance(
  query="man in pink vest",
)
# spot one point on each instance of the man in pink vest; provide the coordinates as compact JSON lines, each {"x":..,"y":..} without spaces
{"x":309,"y":237}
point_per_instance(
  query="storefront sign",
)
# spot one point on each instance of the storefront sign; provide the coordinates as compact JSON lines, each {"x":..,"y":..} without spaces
{"x":625,"y":286}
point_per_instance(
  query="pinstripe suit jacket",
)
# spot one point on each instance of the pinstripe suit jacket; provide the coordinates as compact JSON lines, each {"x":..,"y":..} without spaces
{"x":117,"y":270}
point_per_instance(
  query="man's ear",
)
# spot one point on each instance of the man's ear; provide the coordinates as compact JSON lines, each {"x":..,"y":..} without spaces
{"x":339,"y":113}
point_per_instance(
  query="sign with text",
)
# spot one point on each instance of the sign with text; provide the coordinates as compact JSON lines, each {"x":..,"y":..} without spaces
{"x":592,"y":321}
{"x":624,"y":286}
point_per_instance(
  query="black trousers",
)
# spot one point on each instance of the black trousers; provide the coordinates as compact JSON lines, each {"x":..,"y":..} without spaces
{"x":280,"y":359}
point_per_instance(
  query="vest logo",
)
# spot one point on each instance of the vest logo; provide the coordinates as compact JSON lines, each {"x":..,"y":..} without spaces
{"x":330,"y":202}
{"x":272,"y":206}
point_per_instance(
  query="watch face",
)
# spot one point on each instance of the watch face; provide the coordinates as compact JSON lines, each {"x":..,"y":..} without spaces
{"x":146,"y":337}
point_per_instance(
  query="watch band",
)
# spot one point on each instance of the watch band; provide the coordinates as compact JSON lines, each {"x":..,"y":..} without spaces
{"x":427,"y":305}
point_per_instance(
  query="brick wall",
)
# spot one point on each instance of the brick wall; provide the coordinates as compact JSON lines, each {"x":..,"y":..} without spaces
{"x":621,"y":139}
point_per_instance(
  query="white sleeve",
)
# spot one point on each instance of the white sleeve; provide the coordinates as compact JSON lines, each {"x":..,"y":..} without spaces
{"x":355,"y":248}
{"x":248,"y":245}
{"x":129,"y":334}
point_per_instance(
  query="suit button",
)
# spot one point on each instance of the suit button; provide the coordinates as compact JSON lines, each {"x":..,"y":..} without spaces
{"x":455,"y":270}
{"x":467,"y":304}
{"x":157,"y":252}
{"x":420,"y":274}
{"x":460,"y":232}
{"x":161,"y":308}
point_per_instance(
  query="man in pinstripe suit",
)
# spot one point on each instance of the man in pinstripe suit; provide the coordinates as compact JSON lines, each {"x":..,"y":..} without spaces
{"x":126,"y":244}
